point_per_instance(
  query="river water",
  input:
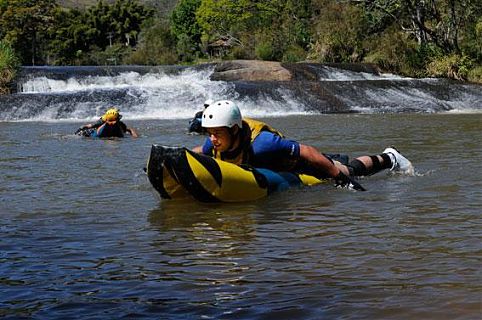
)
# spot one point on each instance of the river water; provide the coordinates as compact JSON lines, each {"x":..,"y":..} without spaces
{"x":84,"y":236}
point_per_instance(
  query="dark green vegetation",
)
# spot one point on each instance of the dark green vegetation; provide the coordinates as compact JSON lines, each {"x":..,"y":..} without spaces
{"x":409,"y":37}
{"x":8,"y":66}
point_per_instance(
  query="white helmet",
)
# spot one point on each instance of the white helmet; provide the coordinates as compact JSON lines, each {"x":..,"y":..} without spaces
{"x":222,"y":113}
{"x":208,"y":102}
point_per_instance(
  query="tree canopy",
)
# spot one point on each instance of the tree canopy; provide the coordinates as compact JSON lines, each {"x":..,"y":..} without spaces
{"x":412,"y":37}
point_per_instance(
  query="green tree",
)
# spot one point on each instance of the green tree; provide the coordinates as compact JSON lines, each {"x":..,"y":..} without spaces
{"x":225,"y":18}
{"x":117,"y":23}
{"x":8,"y":66}
{"x":290,"y":29}
{"x":24,"y":24}
{"x":186,"y":29}
{"x":265,"y":28}
{"x":68,"y":41}
{"x":444,"y":31}
{"x":441,"y":23}
{"x":339,"y":32}
{"x":156,"y":45}
{"x":101,"y":34}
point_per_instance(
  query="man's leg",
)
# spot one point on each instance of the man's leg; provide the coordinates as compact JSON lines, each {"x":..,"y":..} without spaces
{"x":369,"y":165}
{"x":389,"y":159}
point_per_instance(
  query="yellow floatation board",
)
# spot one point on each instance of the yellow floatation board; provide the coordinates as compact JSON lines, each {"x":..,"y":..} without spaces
{"x":177,"y":172}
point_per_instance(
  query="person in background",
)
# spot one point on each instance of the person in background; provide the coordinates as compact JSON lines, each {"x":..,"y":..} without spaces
{"x":245,"y":141}
{"x":195,"y":123}
{"x":109,"y":125}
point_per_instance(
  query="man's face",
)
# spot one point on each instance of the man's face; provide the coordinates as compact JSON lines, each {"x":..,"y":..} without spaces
{"x":220,"y":138}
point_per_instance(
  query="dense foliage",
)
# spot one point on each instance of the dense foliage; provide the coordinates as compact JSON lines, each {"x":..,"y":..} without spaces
{"x":8,"y":66}
{"x":411,"y":37}
{"x":44,"y":33}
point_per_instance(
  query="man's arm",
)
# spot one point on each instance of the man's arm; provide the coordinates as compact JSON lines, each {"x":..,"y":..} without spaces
{"x":207,"y":145}
{"x":318,"y":160}
{"x":339,"y":173}
{"x":96,"y":124}
{"x":133,"y":132}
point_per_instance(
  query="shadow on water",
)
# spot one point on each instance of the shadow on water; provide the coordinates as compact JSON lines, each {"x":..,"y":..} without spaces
{"x":240,"y":220}
{"x":233,"y":219}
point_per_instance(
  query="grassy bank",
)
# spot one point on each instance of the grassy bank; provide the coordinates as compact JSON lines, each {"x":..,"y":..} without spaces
{"x":8,"y":67}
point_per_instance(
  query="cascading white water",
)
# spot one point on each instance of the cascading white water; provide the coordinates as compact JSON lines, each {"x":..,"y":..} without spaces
{"x":83,"y":94}
{"x":150,"y":96}
{"x":334,"y":74}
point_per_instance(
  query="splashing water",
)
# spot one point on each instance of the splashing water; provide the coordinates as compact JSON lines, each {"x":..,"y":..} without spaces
{"x":83,"y":95}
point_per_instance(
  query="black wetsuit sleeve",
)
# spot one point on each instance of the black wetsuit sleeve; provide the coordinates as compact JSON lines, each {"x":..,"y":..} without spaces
{"x":123,"y":126}
{"x":98,"y":123}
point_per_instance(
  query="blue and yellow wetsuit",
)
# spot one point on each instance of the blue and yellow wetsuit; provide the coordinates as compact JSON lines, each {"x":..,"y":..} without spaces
{"x":265,"y":147}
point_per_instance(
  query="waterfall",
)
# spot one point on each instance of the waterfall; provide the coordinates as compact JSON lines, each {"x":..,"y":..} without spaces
{"x":171,"y":92}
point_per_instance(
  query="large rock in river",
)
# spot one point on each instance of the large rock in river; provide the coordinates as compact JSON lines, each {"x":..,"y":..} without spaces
{"x":250,"y":70}
{"x":256,"y":70}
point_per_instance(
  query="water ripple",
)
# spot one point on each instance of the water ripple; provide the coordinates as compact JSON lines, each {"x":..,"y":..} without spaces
{"x":85,"y":236}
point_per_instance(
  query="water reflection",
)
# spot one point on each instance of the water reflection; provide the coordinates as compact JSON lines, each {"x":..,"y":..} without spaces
{"x":232,"y":219}
{"x":80,"y":237}
{"x":239,"y":220}
{"x":206,"y":244}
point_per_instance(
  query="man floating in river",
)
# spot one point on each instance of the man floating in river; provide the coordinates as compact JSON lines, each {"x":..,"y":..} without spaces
{"x":109,"y":125}
{"x":245,"y":141}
